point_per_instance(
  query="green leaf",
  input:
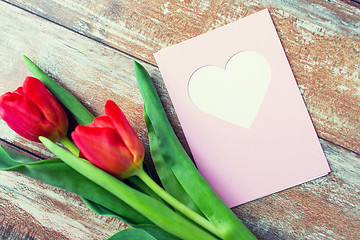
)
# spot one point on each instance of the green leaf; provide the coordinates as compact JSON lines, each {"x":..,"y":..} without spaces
{"x":151,"y":208}
{"x":179,"y":161}
{"x":101,"y":210}
{"x":167,"y":177}
{"x":136,"y":183}
{"x":57,"y":173}
{"x":54,"y":171}
{"x":81,"y":114}
{"x":157,"y":232}
{"x":152,"y":232}
{"x":132,"y":234}
{"x":10,"y":157}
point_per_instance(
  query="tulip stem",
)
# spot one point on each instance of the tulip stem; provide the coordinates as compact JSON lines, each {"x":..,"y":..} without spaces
{"x":178,"y":205}
{"x":70,"y":145}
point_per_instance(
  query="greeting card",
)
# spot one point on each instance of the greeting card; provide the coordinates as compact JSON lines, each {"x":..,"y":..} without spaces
{"x":241,"y":110}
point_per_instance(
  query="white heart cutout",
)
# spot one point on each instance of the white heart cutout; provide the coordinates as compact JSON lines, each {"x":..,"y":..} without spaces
{"x":233,"y":94}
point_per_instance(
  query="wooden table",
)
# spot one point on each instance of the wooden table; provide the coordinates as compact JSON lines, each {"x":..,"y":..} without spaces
{"x":87,"y":46}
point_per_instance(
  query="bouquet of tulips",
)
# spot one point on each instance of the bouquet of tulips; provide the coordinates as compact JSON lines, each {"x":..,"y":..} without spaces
{"x":103,"y":162}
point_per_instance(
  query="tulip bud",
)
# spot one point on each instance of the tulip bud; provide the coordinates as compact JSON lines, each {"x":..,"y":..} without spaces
{"x":32,"y":111}
{"x":110,"y":143}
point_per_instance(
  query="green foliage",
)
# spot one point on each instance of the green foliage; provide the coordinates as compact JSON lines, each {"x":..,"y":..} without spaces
{"x":169,"y":150}
{"x":131,"y":200}
{"x":166,"y":175}
{"x":153,"y":209}
{"x":59,"y":174}
{"x":11,"y":158}
{"x":132,"y":234}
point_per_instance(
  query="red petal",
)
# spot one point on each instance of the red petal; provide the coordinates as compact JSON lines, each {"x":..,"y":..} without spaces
{"x":46,"y":103}
{"x":125,"y":130}
{"x":102,"y":121}
{"x":22,"y":115}
{"x":103,"y":147}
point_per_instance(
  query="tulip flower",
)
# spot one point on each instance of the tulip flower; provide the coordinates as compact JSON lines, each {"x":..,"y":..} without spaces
{"x":190,"y":211}
{"x":32,"y":111}
{"x":110,"y":143}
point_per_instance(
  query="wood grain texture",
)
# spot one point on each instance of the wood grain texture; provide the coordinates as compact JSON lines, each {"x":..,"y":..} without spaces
{"x":326,"y":208}
{"x":355,"y":3}
{"x":30,"y":209}
{"x":321,"y":39}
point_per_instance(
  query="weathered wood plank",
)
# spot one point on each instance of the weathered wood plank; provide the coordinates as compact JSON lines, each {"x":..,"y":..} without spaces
{"x":321,"y":39}
{"x":355,"y":3}
{"x":30,"y":209}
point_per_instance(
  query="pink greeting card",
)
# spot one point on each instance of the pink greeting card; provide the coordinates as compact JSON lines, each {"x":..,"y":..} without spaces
{"x":241,"y":110}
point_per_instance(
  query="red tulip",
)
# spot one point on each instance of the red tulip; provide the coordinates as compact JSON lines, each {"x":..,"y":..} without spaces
{"x":32,"y":111}
{"x":110,"y":143}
